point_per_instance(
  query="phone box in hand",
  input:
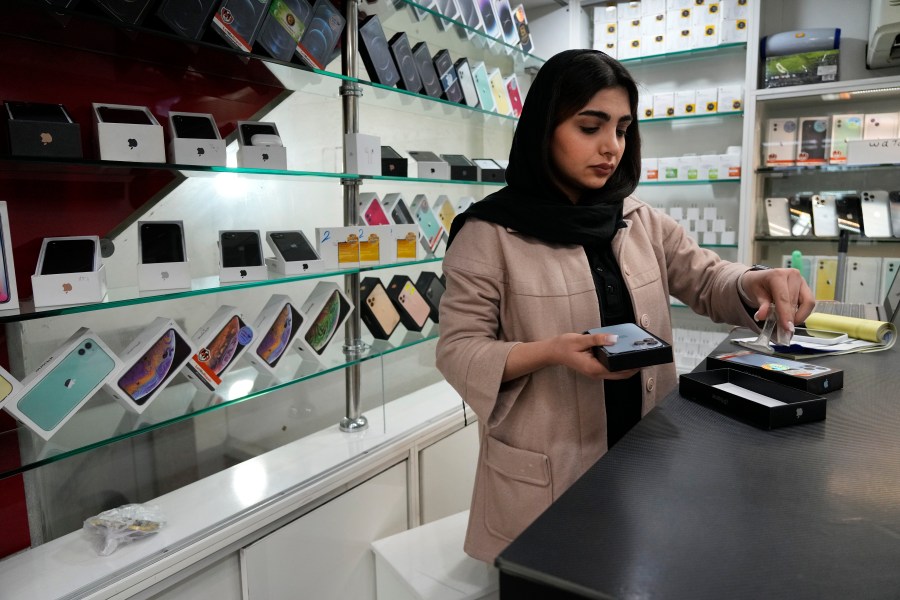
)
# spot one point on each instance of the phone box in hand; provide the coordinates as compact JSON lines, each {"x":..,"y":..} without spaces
{"x":63,"y":383}
{"x":220,"y":342}
{"x":9,"y":294}
{"x":238,"y":21}
{"x":151,"y":361}
{"x":260,"y":147}
{"x":162,"y":256}
{"x":338,"y":247}
{"x":636,"y":348}
{"x":69,"y":271}
{"x":194,"y":139}
{"x":294,"y":254}
{"x":812,"y":378}
{"x":754,"y":400}
{"x":274,"y":329}
{"x":38,"y":129}
{"x":241,"y":256}
{"x":326,"y":308}
{"x":128,"y":133}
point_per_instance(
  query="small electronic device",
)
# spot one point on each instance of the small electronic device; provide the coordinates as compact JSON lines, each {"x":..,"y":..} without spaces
{"x":483,"y":87}
{"x":876,"y":214}
{"x":378,"y":312}
{"x":524,"y":32}
{"x":826,"y":278}
{"x":445,"y":212}
{"x":449,"y":12}
{"x":219,"y":343}
{"x":443,"y":64}
{"x":635,"y":348}
{"x":778,"y":215}
{"x":322,"y":35}
{"x":801,"y":375}
{"x":408,"y":301}
{"x":848,"y":207}
{"x":292,"y":246}
{"x":375,"y":53}
{"x":41,"y":129}
{"x":410,"y":79}
{"x":824,"y":215}
{"x":466,"y":83}
{"x":425,"y":66}
{"x":507,"y":24}
{"x":265,"y":139}
{"x":194,"y":126}
{"x":67,"y":255}
{"x":881,"y":126}
{"x":160,"y":242}
{"x":240,"y":249}
{"x":862,"y":280}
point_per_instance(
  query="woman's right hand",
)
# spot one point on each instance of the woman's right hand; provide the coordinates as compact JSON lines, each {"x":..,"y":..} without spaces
{"x":575,"y":350}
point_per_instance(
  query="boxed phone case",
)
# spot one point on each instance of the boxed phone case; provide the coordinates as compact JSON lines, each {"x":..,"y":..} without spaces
{"x":338,"y":247}
{"x":9,"y":293}
{"x":635,"y":348}
{"x":137,"y":138}
{"x":159,"y":273}
{"x":262,"y":155}
{"x":283,"y":26}
{"x":392,"y":163}
{"x":409,"y":302}
{"x":242,"y":259}
{"x":38,"y":129}
{"x":432,"y":289}
{"x":63,"y":383}
{"x":187,"y":19}
{"x":238,"y":21}
{"x":291,"y":264}
{"x":220,"y":342}
{"x":186,"y":147}
{"x":274,"y":330}
{"x":754,"y":400}
{"x":808,"y":377}
{"x":78,"y":287}
{"x":150,"y":362}
{"x":322,"y":35}
{"x":326,"y":309}
{"x":377,"y":311}
{"x":430,"y":165}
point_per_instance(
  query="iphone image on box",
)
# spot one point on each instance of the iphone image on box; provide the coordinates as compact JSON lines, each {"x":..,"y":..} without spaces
{"x":413,"y":308}
{"x":778,"y":215}
{"x":67,"y":255}
{"x":293,"y":246}
{"x":844,"y":128}
{"x":466,"y":83}
{"x":446,"y":213}
{"x":489,"y":18}
{"x":515,"y":100}
{"x":801,"y":214}
{"x":522,"y":29}
{"x":160,"y":242}
{"x":880,"y":126}
{"x":326,"y":323}
{"x":222,"y":351}
{"x":378,"y":312}
{"x":376,"y":54}
{"x":240,"y":249}
{"x":154,"y":369}
{"x":470,"y":16}
{"x":848,"y":206}
{"x":278,"y":337}
{"x":824,"y":215}
{"x":428,"y":223}
{"x":876,"y":214}
{"x":483,"y":87}
{"x":894,"y":202}
{"x":498,"y":89}
{"x":507,"y":25}
{"x":826,"y":274}
{"x":426,"y":70}
{"x":443,"y":64}
{"x":813,"y":138}
{"x":406,"y":65}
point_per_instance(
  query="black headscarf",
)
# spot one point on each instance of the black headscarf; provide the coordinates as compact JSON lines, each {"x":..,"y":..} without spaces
{"x":531,"y":203}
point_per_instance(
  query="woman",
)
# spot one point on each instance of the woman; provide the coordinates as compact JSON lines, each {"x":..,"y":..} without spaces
{"x":562,"y":249}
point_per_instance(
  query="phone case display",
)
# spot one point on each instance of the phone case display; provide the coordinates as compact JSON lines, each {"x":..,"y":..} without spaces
{"x":488,"y":18}
{"x":326,"y":308}
{"x":414,"y":310}
{"x":522,"y":29}
{"x":466,"y":83}
{"x":801,"y":214}
{"x":430,"y":229}
{"x":463,"y":203}
{"x":501,"y":95}
{"x":844,"y":129}
{"x":863,"y":282}
{"x":377,"y":311}
{"x":294,"y":254}
{"x":283,"y":26}
{"x":443,"y":64}
{"x":259,"y":146}
{"x":406,"y":65}
{"x":127,"y":133}
{"x":241,"y":256}
{"x":63,"y":383}
{"x":427,"y":72}
{"x":150,"y":362}
{"x":876,"y":214}
{"x":69,"y":271}
{"x":194,"y":139}
{"x":824,"y":215}
{"x":432,"y":289}
{"x":468,"y":14}
{"x":813,"y":133}
{"x":396,"y":207}
{"x":778,"y":215}
{"x":371,"y":212}
{"x":10,"y":388}
{"x":430,"y":165}
{"x":162,"y":258}
{"x":127,"y":11}
{"x":848,"y":206}
{"x":483,"y":87}
{"x":274,"y":329}
{"x":40,"y":129}
{"x":392,"y":163}
{"x":238,"y":22}
{"x":881,"y":126}
{"x":220,"y":342}
{"x":322,"y":35}
{"x":9,"y":293}
{"x":338,"y":246}
{"x":187,"y":19}
{"x":375,"y":53}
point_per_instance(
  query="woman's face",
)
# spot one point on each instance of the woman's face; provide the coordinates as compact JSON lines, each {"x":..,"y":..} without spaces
{"x":586,"y":148}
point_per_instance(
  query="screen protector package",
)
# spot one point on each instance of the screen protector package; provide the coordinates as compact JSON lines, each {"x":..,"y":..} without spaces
{"x":123,"y":525}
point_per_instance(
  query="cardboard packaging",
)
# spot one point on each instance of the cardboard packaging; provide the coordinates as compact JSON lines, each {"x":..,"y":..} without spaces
{"x":338,"y":247}
{"x":489,"y":170}
{"x":635,"y":348}
{"x":801,"y":69}
{"x":160,"y":244}
{"x":378,"y":312}
{"x":653,"y":44}
{"x":649,"y":169}
{"x":392,"y":163}
{"x":283,"y":26}
{"x":238,"y":22}
{"x":69,"y":271}
{"x":274,"y":330}
{"x":645,"y":106}
{"x":194,"y":139}
{"x":445,"y":212}
{"x":322,"y":35}
{"x":294,"y":254}
{"x":127,"y":133}
{"x":326,"y":308}
{"x":685,"y":103}
{"x":679,"y":28}
{"x":808,"y":377}
{"x":759,"y":402}
{"x":187,"y":19}
{"x":664,"y":104}
{"x":260,"y":147}
{"x":403,"y":243}
{"x":241,"y":256}
{"x":628,"y":40}
{"x":432,"y":289}
{"x":362,"y":154}
{"x":844,"y":129}
{"x":733,"y":31}
{"x":780,"y":143}
{"x":372,"y":249}
{"x":669,"y":168}
{"x":150,"y":362}
{"x":813,"y":144}
{"x":461,"y":168}
{"x":10,"y":388}
{"x":409,"y":302}
{"x":731,"y":98}
{"x":429,"y":165}
{"x":220,"y":342}
{"x":9,"y":293}
{"x":38,"y":129}
{"x":707,"y":101}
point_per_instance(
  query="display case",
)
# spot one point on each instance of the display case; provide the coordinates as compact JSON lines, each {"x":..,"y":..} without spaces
{"x":105,"y":456}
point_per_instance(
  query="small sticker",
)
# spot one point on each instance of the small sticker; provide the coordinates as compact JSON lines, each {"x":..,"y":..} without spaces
{"x":245,"y":335}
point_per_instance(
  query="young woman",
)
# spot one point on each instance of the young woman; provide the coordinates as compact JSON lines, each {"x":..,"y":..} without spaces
{"x":562,"y":249}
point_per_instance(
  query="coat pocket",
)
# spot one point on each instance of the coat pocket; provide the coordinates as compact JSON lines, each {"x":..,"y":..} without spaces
{"x":518,"y":488}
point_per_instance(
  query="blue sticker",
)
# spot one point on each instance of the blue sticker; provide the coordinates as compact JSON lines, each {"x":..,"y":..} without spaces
{"x":245,"y":335}
{"x":790,"y":126}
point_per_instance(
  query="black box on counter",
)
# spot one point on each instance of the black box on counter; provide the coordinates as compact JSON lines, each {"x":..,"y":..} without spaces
{"x":812,"y":378}
{"x":635,"y":348}
{"x":752,"y":399}
{"x":392,"y":163}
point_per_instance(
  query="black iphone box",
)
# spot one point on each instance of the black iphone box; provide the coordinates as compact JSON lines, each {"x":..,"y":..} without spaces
{"x":461,"y":168}
{"x":406,"y":64}
{"x":238,"y":21}
{"x":40,"y":129}
{"x":813,"y":378}
{"x":392,"y":163}
{"x":488,"y":170}
{"x":375,"y":53}
{"x":187,"y":19}
{"x":322,"y":35}
{"x":283,"y":27}
{"x":427,"y":72}
{"x":635,"y":348}
{"x":127,"y":11}
{"x":754,"y":400}
{"x":429,"y":283}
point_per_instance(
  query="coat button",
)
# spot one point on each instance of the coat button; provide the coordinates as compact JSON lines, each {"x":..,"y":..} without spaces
{"x":645,"y":321}
{"x":650,"y":384}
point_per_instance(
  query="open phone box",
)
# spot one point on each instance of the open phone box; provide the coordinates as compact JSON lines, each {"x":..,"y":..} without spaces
{"x":69,"y":271}
{"x":158,"y":243}
{"x":289,"y":265}
{"x":128,"y":133}
{"x":233,"y":251}
{"x":194,"y":139}
{"x":260,"y":146}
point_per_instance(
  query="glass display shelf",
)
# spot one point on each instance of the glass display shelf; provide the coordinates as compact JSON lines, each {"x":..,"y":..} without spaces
{"x":814,"y":169}
{"x":734,"y":246}
{"x":854,"y":239}
{"x":131,"y":295}
{"x":103,"y":421}
{"x":425,"y":180}
{"x":689,"y":182}
{"x":696,"y":53}
{"x":707,"y":117}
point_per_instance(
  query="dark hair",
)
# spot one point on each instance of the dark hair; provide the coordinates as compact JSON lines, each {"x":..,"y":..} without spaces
{"x":565,"y":84}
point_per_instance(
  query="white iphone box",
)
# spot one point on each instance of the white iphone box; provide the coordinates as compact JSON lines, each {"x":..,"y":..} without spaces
{"x":274,"y":330}
{"x":127,"y":133}
{"x":780,"y":142}
{"x":326,"y":308}
{"x":220,"y":342}
{"x":844,"y":129}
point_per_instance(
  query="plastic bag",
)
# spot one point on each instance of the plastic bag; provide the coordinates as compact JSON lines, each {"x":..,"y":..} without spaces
{"x":123,"y":525}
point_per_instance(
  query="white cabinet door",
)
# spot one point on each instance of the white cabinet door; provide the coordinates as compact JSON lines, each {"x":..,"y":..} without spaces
{"x":447,"y":474}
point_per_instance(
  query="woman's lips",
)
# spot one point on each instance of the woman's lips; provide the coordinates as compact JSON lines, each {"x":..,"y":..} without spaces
{"x":603,"y":168}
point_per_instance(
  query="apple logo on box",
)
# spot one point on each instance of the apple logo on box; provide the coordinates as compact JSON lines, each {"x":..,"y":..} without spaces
{"x":243,"y":272}
{"x":200,"y":151}
{"x":67,"y":287}
{"x":164,"y":275}
{"x":46,"y":138}
{"x":265,"y":156}
{"x":132,"y":143}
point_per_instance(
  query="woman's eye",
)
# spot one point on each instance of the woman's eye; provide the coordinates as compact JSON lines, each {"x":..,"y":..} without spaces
{"x":590,"y":129}
{"x":621,"y":132}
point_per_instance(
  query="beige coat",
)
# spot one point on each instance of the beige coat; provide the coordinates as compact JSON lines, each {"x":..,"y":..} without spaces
{"x":539,"y":433}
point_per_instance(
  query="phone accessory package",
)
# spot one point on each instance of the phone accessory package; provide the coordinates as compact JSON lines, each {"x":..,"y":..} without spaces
{"x":194,"y":139}
{"x":636,"y":348}
{"x":274,"y":329}
{"x":289,"y":265}
{"x":259,"y":146}
{"x":220,"y":342}
{"x":79,"y":278}
{"x":377,"y":311}
{"x":169,"y":274}
{"x":128,"y":133}
{"x":338,"y":246}
{"x":326,"y":307}
{"x":151,"y":361}
{"x":9,"y":294}
{"x":241,"y":256}
{"x":63,"y":383}
{"x":402,"y":244}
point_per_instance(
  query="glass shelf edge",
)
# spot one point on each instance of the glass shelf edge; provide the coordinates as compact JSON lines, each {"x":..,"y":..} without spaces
{"x":690,"y":182}
{"x":427,"y":180}
{"x":691,"y":117}
{"x":683,"y":53}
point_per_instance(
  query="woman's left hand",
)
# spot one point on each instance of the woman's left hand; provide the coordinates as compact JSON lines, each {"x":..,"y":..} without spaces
{"x":786,"y":288}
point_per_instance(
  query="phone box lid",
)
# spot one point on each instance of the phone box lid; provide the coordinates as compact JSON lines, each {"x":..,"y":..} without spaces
{"x":220,"y":342}
{"x":151,"y":361}
{"x":96,"y":365}
{"x":327,"y":308}
{"x":41,"y":129}
{"x":461,"y":168}
{"x":809,"y":377}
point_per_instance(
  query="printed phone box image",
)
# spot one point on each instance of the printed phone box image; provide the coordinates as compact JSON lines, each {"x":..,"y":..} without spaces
{"x":215,"y":357}
{"x":326,"y":323}
{"x":414,"y":310}
{"x":153,"y":370}
{"x":378,"y":312}
{"x":277,"y":338}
